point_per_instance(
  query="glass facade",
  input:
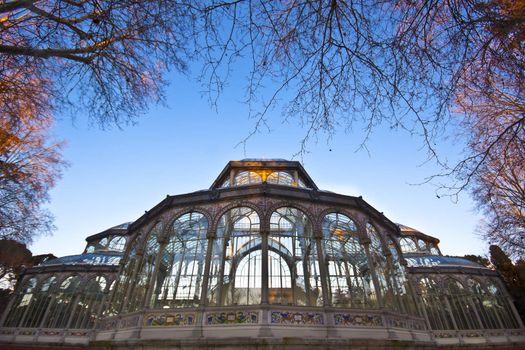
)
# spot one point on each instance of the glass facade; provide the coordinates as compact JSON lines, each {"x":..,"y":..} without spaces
{"x":243,"y":254}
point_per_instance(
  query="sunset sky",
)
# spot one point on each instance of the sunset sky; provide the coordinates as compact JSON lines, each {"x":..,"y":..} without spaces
{"x":115,"y":175}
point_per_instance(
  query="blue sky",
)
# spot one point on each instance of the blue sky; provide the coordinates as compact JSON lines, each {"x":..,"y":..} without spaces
{"x":115,"y":175}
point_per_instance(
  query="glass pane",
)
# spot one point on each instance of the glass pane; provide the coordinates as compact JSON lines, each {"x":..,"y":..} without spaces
{"x":349,"y":277}
{"x":179,"y":276}
{"x":235,"y":270}
{"x":293,"y":266}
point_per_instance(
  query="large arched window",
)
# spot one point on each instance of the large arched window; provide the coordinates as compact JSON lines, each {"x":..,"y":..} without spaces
{"x":436,"y":306}
{"x":462,"y":309}
{"x":145,"y":269}
{"x":349,"y":277}
{"x":181,"y":267}
{"x":501,"y":306}
{"x":481,"y":300}
{"x":88,"y":305}
{"x":21,"y":303}
{"x":124,"y":279}
{"x":293,"y":264}
{"x":64,"y":303}
{"x":381,"y":267}
{"x":40,"y":302}
{"x":235,"y":270}
{"x":400,"y":282}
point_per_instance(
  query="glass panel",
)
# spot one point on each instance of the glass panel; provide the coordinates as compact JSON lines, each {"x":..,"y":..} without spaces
{"x":281,"y":178}
{"x":247,"y":178}
{"x":40,"y":303}
{"x":20,"y":303}
{"x":145,"y":270}
{"x":407,"y":245}
{"x":501,"y":306}
{"x":436,"y":307}
{"x":400,"y":282}
{"x":382,"y":270}
{"x":117,"y":244}
{"x":422,"y":244}
{"x":349,"y":277}
{"x":89,"y":303}
{"x":462,"y":309}
{"x":179,"y":276}
{"x":64,"y":303}
{"x":293,"y":266}
{"x":124,"y":278}
{"x":235,"y":268}
{"x":484,"y":305}
{"x":434,"y":250}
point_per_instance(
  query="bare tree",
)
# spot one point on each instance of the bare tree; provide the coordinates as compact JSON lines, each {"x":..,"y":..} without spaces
{"x":29,"y":166}
{"x":335,"y":64}
{"x":105,"y":57}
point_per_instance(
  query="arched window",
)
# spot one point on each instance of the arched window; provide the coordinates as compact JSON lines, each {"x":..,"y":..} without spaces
{"x":89,"y":303}
{"x":247,"y":178}
{"x":400,"y":282}
{"x":407,"y":245}
{"x":64,"y":303}
{"x":124,"y":278}
{"x":181,"y":267}
{"x":117,"y":244}
{"x":103,"y":242}
{"x":145,"y":269}
{"x":484,"y":305}
{"x":293,"y":268}
{"x":462,"y":309}
{"x":422,"y":245}
{"x":349,"y":277}
{"x":237,"y":243}
{"x":381,"y":267}
{"x":40,"y":303}
{"x":501,"y":306}
{"x":434,"y":250}
{"x":436,"y":306}
{"x":281,"y":178}
{"x":21,"y":303}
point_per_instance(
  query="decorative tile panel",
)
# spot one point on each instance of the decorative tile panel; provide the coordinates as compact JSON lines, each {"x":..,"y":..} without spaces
{"x":169,"y":319}
{"x":78,"y":334}
{"x":299,"y":318}
{"x":108,"y":324}
{"x":451,"y":334}
{"x":50,"y":333}
{"x":232,"y":317}
{"x":27,"y":332}
{"x":129,"y":322}
{"x":361,"y":320}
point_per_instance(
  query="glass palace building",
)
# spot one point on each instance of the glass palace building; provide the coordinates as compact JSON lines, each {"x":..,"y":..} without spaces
{"x":261,"y":260}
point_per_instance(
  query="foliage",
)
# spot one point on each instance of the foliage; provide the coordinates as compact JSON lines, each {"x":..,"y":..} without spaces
{"x":29,"y":167}
{"x":104,"y":57}
{"x":478,"y":259}
{"x":14,"y":258}
{"x":513,"y":275}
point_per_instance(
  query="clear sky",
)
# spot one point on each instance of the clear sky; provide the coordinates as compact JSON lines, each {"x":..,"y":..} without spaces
{"x":115,"y":175}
